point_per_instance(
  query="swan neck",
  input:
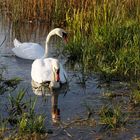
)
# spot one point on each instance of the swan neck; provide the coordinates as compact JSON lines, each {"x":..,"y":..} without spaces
{"x":49,"y":36}
{"x":47,"y":52}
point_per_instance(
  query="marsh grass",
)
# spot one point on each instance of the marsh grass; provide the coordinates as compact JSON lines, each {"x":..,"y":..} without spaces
{"x":104,"y":35}
{"x":111,"y":117}
{"x":21,"y":11}
{"x":8,"y":84}
{"x":21,"y":117}
{"x":106,"y":40}
{"x":22,"y":114}
{"x":31,"y":122}
{"x":111,"y":50}
{"x":16,"y":107}
{"x":135,"y":95}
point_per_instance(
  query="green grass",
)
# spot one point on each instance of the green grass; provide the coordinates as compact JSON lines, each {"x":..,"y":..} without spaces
{"x":135,"y":95}
{"x":112,"y":117}
{"x":106,"y":41}
{"x":32,"y":124}
{"x":104,"y":35}
{"x":21,"y":117}
{"x":22,"y":114}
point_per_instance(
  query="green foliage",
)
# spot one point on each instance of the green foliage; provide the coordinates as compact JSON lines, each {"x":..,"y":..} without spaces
{"x":107,"y":43}
{"x":32,"y":123}
{"x":7,"y":84}
{"x":22,"y":114}
{"x":135,"y":95}
{"x":118,"y":50}
{"x":17,"y":106}
{"x":112,"y":117}
{"x":104,"y":35}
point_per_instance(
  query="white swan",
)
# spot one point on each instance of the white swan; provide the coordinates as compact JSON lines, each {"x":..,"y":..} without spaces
{"x":28,"y":50}
{"x":47,"y":69}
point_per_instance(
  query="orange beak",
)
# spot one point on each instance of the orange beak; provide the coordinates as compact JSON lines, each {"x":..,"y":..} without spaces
{"x":65,"y":40}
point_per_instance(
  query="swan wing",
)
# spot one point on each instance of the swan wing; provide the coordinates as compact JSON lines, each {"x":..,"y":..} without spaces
{"x":29,"y":50}
{"x":16,"y":43}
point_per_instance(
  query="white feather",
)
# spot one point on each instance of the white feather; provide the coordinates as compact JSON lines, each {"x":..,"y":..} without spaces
{"x":28,"y":50}
{"x":43,"y":68}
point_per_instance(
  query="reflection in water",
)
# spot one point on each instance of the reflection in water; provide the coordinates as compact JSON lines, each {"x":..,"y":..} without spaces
{"x":55,"y":109}
{"x":44,"y":90}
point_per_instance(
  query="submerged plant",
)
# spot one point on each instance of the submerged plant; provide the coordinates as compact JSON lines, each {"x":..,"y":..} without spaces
{"x":135,"y":97}
{"x":22,"y":113}
{"x":30,"y":121}
{"x":104,"y":35}
{"x":112,"y":117}
{"x":30,"y":124}
{"x":17,"y":107}
{"x":9,"y":84}
{"x":90,"y":109}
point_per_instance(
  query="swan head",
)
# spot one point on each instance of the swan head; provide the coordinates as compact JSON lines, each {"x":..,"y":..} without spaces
{"x":56,"y":70}
{"x":55,"y":82}
{"x":60,"y":32}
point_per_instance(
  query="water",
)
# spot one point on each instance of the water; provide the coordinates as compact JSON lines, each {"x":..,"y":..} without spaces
{"x":72,"y":105}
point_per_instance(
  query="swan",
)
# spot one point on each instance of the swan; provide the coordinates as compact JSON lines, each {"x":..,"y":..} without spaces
{"x":27,"y":50}
{"x":48,"y":69}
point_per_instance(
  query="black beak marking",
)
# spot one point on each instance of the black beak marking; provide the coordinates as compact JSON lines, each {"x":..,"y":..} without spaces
{"x":64,"y":35}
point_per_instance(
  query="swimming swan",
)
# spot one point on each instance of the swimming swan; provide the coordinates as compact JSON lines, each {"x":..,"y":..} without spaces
{"x":47,"y":69}
{"x":28,"y":50}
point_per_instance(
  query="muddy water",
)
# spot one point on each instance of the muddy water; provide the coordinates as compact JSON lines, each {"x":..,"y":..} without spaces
{"x":72,"y":105}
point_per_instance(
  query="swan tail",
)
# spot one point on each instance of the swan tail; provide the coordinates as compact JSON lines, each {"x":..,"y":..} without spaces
{"x":16,"y":43}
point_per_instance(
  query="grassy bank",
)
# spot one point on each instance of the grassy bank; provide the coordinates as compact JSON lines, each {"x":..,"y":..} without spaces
{"x":104,"y":34}
{"x":106,"y":37}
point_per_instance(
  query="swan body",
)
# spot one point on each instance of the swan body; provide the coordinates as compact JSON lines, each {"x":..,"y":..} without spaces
{"x":28,"y":50}
{"x":43,"y":70}
{"x":47,"y":69}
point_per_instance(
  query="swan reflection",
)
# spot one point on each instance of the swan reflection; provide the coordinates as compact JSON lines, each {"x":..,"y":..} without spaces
{"x":44,"y":89}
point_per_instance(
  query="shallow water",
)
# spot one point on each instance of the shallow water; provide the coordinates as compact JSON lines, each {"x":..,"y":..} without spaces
{"x":72,"y":104}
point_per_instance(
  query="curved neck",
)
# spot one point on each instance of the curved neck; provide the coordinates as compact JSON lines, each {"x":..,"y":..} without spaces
{"x":47,"y":52}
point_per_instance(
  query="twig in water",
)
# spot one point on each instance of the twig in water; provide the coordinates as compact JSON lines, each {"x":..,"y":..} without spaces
{"x":3,"y":41}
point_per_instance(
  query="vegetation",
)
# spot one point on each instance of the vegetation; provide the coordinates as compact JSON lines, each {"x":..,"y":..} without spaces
{"x":19,"y":115}
{"x":135,"y":95}
{"x":112,"y":117}
{"x":104,"y":38}
{"x":105,"y":34}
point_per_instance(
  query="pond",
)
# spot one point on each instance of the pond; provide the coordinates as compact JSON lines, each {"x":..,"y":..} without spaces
{"x":74,"y":104}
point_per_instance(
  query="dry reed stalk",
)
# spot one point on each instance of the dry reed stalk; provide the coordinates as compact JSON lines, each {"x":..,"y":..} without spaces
{"x":49,"y":6}
{"x":34,"y":8}
{"x":42,"y":8}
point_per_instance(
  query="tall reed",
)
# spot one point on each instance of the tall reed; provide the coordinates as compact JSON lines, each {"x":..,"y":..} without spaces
{"x":19,"y":11}
{"x":105,"y":34}
{"x":106,"y":37}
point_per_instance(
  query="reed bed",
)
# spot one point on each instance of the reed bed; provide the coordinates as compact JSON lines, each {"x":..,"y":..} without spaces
{"x":105,"y":34}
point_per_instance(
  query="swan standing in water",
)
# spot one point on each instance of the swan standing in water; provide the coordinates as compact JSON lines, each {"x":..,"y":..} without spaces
{"x":47,"y":69}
